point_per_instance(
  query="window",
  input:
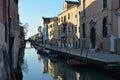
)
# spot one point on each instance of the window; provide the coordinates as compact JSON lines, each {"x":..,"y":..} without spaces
{"x":61,"y":19}
{"x":6,"y":32}
{"x":104,"y":3}
{"x":79,"y":28}
{"x":75,"y":29}
{"x":104,"y":31}
{"x":76,"y":16}
{"x":79,"y":12}
{"x":72,"y":29}
{"x":64,"y":18}
{"x":83,"y":7}
{"x":119,"y":3}
{"x":83,"y":27}
{"x":11,"y":23}
{"x":68,"y":16}
{"x":64,"y":28}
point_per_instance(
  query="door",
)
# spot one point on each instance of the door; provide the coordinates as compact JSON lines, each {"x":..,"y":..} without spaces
{"x":92,"y":37}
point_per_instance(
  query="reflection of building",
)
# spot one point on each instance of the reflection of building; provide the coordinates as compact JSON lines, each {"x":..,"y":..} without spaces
{"x":53,"y":31}
{"x":45,"y":65}
{"x":53,"y":69}
{"x":65,"y":73}
{"x":62,"y":71}
{"x":69,"y":34}
{"x":99,"y":23}
{"x":39,"y":57}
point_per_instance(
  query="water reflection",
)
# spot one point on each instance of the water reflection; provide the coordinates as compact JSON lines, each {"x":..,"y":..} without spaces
{"x":18,"y":75}
{"x":41,"y":67}
{"x":60,"y":70}
{"x":45,"y":65}
{"x":53,"y":68}
{"x":24,"y":67}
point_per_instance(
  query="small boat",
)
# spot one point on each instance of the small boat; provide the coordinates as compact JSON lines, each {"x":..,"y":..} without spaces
{"x":74,"y":62}
{"x":53,"y":54}
{"x":44,"y":52}
{"x":38,"y":47}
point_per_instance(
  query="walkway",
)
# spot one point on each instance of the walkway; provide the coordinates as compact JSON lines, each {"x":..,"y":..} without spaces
{"x":109,"y":60}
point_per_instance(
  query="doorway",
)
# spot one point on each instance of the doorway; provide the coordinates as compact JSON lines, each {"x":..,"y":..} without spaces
{"x":92,"y":37}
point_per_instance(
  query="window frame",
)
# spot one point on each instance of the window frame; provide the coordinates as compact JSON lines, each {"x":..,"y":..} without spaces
{"x":105,"y":4}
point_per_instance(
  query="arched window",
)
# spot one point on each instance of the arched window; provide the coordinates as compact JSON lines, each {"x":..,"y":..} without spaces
{"x":104,"y":3}
{"x":83,"y":27}
{"x":104,"y":27}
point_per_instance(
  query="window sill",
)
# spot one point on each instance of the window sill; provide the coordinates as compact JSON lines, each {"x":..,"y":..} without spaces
{"x":105,"y":37}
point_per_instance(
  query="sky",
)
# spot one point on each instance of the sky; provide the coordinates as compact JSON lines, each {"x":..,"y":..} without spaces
{"x":31,"y":12}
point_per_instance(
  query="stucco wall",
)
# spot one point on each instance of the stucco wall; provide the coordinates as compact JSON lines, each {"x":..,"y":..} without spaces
{"x":94,"y":11}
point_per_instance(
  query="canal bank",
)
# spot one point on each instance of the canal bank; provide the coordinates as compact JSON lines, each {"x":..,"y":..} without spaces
{"x":102,"y":60}
{"x":107,"y":59}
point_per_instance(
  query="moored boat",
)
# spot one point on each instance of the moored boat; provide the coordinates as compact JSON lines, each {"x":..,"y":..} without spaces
{"x":74,"y":62}
{"x":53,"y":54}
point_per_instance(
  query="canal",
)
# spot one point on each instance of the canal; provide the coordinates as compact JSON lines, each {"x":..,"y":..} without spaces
{"x":40,"y":67}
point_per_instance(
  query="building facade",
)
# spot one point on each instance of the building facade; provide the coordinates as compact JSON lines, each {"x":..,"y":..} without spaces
{"x":116,"y":11}
{"x":53,"y":31}
{"x":68,"y":24}
{"x":40,"y":36}
{"x":99,"y":24}
{"x":3,"y":70}
{"x":10,"y":38}
{"x":14,"y":32}
{"x":44,"y":28}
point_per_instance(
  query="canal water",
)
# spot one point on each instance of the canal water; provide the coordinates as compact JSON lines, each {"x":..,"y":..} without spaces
{"x":41,"y":67}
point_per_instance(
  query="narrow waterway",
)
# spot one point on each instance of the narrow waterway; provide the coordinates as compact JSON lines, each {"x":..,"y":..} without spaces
{"x":40,"y":67}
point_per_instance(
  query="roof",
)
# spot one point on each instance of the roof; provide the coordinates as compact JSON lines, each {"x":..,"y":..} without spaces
{"x":46,"y":19}
{"x":72,"y":2}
